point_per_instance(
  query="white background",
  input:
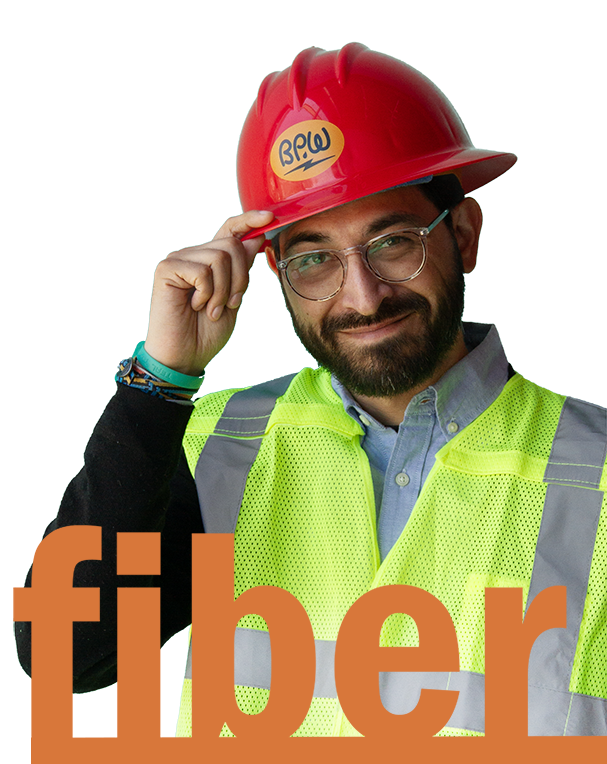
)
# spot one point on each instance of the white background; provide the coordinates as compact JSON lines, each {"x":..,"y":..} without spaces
{"x":120,"y":122}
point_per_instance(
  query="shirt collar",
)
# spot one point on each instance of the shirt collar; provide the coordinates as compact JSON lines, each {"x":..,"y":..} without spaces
{"x":462,"y":393}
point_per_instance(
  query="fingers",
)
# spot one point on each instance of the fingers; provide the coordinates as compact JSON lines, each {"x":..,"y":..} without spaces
{"x":222,"y":273}
{"x":220,"y":285}
{"x":197,"y":291}
{"x":218,"y":272}
{"x":239,"y":225}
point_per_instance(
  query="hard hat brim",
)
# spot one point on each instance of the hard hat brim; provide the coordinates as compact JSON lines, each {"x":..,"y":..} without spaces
{"x":474,"y":168}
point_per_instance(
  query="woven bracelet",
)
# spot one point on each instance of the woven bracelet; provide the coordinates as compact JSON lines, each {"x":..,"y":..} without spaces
{"x":132,"y":374}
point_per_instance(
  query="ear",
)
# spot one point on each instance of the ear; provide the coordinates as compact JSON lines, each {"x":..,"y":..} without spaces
{"x":467,"y":221}
{"x":271,"y":258}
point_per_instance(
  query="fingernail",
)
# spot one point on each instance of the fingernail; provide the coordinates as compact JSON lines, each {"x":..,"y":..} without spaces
{"x":235,"y":299}
{"x":217,"y":312}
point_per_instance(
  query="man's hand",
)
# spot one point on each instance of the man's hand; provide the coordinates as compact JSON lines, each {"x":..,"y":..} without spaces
{"x":197,"y":293}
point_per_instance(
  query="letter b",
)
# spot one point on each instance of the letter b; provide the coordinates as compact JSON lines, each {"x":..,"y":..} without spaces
{"x":215,"y":615}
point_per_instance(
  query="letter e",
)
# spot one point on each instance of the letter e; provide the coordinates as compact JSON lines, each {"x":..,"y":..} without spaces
{"x":359,"y":659}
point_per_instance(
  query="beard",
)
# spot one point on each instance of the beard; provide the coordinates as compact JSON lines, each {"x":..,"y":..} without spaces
{"x":397,"y":364}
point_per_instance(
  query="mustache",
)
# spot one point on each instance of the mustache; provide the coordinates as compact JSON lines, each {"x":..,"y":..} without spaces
{"x":389,"y":308}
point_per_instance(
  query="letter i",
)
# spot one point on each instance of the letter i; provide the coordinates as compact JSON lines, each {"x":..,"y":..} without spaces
{"x":138,"y":638}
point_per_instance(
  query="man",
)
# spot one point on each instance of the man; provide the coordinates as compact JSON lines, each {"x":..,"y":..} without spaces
{"x":414,"y":455}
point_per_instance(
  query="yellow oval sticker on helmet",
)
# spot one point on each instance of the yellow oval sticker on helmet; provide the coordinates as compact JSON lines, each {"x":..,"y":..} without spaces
{"x":306,"y":149}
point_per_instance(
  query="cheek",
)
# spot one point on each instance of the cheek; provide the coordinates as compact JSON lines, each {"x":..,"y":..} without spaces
{"x":424,"y":285}
{"x":306,"y":312}
{"x":436,"y":279}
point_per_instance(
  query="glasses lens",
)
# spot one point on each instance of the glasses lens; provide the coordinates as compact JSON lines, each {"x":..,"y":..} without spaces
{"x":396,"y":256}
{"x":315,"y":275}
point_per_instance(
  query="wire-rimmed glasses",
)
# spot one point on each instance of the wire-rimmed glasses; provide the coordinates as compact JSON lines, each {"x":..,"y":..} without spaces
{"x":394,"y":257}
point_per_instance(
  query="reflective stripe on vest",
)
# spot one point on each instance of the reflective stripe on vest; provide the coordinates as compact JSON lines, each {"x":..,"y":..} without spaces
{"x":563,"y":557}
{"x":224,"y":463}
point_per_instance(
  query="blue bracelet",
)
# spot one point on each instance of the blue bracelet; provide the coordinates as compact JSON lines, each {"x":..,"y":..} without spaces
{"x":184,"y":381}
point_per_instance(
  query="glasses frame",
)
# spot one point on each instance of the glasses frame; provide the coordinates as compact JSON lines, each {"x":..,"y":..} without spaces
{"x":363,"y":249}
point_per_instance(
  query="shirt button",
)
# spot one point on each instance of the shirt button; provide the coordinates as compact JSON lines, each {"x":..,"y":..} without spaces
{"x":364,"y":420}
{"x":453,"y":427}
{"x":402,"y":479}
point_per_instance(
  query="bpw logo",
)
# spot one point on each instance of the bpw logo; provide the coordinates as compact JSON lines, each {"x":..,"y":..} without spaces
{"x":306,"y":149}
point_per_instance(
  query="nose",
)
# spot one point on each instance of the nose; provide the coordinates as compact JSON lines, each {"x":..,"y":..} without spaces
{"x":362,"y":292}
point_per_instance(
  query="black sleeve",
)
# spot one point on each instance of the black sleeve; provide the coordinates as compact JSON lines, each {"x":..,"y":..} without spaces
{"x":135,"y":478}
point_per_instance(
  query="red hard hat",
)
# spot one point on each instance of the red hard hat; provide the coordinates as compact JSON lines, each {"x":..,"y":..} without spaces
{"x":339,"y":125}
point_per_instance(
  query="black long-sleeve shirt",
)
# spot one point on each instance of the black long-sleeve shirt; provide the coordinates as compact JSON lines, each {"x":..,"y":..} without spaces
{"x":135,"y":478}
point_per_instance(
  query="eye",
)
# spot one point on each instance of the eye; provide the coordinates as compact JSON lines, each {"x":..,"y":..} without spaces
{"x":313,"y":260}
{"x":393,"y":240}
{"x":397,"y":244}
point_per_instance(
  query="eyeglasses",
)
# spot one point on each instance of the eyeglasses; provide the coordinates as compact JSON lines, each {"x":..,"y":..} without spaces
{"x":394,"y":257}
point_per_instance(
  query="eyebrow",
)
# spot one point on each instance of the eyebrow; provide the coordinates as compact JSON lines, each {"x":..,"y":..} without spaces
{"x":373,"y":229}
{"x":394,"y":218}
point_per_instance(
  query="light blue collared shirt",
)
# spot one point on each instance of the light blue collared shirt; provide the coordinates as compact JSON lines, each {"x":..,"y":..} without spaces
{"x":401,"y":461}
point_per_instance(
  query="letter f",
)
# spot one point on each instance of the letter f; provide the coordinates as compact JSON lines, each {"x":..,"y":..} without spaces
{"x":52,"y":604}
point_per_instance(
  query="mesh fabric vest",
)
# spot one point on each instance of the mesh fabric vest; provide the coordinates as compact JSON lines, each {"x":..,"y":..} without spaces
{"x":307,"y":525}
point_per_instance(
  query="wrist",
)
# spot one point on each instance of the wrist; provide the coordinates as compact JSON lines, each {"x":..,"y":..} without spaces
{"x":165,"y":373}
{"x":171,"y":358}
{"x":142,"y":372}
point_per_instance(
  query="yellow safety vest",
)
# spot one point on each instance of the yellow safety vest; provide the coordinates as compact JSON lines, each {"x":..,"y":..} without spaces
{"x":296,"y":487}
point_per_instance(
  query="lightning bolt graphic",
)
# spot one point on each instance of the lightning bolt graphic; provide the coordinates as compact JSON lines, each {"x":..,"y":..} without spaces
{"x":310,"y":163}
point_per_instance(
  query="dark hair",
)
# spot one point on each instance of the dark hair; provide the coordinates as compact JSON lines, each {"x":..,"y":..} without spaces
{"x":444,"y":191}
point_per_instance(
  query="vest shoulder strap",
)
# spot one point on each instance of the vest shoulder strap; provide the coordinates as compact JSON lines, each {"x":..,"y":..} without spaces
{"x":228,"y":455}
{"x":563,"y":555}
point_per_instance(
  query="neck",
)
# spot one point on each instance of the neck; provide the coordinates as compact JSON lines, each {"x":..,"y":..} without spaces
{"x":390,"y":411}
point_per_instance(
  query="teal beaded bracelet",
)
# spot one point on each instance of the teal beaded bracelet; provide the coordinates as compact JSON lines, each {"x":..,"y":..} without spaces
{"x":184,"y":381}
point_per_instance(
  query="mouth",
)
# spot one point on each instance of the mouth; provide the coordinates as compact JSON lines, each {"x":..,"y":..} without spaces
{"x":379,"y":330}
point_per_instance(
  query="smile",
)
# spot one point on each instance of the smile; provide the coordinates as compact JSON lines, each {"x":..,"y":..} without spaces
{"x":378,"y":330}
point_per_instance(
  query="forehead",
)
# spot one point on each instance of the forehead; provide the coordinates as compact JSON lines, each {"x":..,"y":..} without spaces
{"x":353,"y":219}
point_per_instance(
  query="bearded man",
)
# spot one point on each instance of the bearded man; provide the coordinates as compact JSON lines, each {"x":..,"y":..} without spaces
{"x":413,"y":455}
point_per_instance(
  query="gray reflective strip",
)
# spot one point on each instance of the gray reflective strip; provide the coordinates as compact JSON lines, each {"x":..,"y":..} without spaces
{"x":563,"y":557}
{"x":324,"y":686}
{"x":252,"y":658}
{"x":224,"y":462}
{"x":565,"y":713}
{"x":247,"y":412}
{"x":549,"y":710}
{"x":400,"y":693}
{"x":253,"y":662}
{"x":579,"y":447}
{"x":587,"y":716}
{"x":469,"y":712}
